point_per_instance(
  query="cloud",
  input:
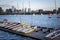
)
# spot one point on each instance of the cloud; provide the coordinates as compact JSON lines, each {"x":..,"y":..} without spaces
{"x":4,"y":5}
{"x":35,"y":4}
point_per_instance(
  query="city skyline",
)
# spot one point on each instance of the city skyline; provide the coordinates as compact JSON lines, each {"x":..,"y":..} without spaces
{"x":34,"y":4}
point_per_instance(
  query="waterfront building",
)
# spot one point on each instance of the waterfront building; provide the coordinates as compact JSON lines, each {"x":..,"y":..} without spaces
{"x":29,"y":10}
{"x":58,"y":10}
{"x":54,"y":10}
{"x":1,"y":10}
{"x":40,"y":10}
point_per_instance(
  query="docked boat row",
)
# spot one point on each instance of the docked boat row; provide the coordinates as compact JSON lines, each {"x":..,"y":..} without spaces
{"x":23,"y":27}
{"x":20,"y":27}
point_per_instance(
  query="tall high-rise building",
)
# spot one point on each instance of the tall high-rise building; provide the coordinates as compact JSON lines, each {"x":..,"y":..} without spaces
{"x":25,"y":10}
{"x":29,"y":10}
{"x":58,"y":10}
{"x":13,"y":9}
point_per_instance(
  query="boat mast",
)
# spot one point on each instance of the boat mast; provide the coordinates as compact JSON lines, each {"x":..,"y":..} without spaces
{"x":18,"y":9}
{"x":55,"y":7}
{"x":29,"y":3}
{"x":29,"y":11}
{"x":23,"y":6}
{"x":17,"y":5}
{"x":56,"y":13}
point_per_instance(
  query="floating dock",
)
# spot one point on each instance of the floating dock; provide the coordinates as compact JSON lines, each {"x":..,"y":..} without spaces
{"x":34,"y":35}
{"x":37,"y":35}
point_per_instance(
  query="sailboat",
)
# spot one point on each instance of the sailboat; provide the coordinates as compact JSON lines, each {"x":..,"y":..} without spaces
{"x":49,"y":15}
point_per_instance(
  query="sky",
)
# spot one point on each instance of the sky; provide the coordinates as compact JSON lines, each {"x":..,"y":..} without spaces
{"x":34,"y":4}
